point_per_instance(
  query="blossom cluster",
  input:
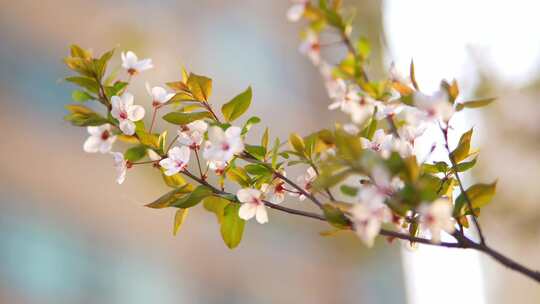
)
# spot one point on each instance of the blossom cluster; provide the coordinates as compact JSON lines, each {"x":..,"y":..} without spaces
{"x":363,"y":175}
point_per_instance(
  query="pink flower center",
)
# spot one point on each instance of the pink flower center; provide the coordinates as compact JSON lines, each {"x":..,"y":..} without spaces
{"x":225,"y":146}
{"x":123,"y":115}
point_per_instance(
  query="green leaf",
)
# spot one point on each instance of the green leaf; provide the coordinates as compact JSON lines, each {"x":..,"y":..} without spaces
{"x":249,"y":123}
{"x":364,"y":49}
{"x":195,"y":197}
{"x":173,"y":181}
{"x":463,"y":148}
{"x":477,"y":103}
{"x":216,"y":205}
{"x":464,"y":166}
{"x":232,"y":227}
{"x":349,"y":190}
{"x":169,"y":198}
{"x":239,"y":175}
{"x":81,"y":96}
{"x":297,"y":143}
{"x":258,"y":169}
{"x":147,"y":139}
{"x":82,"y":116}
{"x":100,"y":64}
{"x":87,"y":83}
{"x":78,"y":52}
{"x":200,"y":87}
{"x":275,"y":153}
{"x":437,"y":167}
{"x":237,"y":106}
{"x":479,"y":195}
{"x":179,"y":118}
{"x":134,"y":154}
{"x":265,"y":139}
{"x":179,"y":219}
{"x":257,"y":151}
{"x":116,"y":89}
{"x":348,"y":146}
{"x":335,"y":216}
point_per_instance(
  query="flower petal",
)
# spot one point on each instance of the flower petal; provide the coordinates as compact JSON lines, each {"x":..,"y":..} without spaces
{"x":135,"y":113}
{"x":247,"y":211}
{"x":91,"y":144}
{"x":128,"y":127}
{"x":261,"y":215}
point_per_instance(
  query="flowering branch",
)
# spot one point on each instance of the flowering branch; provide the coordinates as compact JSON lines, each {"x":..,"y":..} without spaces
{"x":381,"y":188}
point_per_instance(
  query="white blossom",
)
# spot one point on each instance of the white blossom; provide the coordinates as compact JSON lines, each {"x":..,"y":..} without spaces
{"x":437,"y":217}
{"x":385,"y":109}
{"x":222,"y":145}
{"x":121,"y":166}
{"x":177,"y":160}
{"x":362,"y":111}
{"x":382,"y":187}
{"x":311,"y":47}
{"x":368,"y":218}
{"x":133,"y":65}
{"x":381,"y":143}
{"x":100,"y":139}
{"x":159,"y":95}
{"x":435,"y":106}
{"x":252,"y":205}
{"x":192,"y":134}
{"x":305,"y":182}
{"x":275,"y":191}
{"x":296,"y":11}
{"x":126,"y":113}
{"x":342,"y":94}
{"x":217,"y":166}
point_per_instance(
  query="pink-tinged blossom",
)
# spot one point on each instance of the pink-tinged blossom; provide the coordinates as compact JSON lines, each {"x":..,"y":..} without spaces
{"x":296,"y":11}
{"x":305,"y":182}
{"x":100,"y":139}
{"x":382,"y":187}
{"x":342,"y":94}
{"x":133,"y":65}
{"x":217,"y":166}
{"x":435,"y":107}
{"x":275,"y":191}
{"x":381,"y":143}
{"x":177,"y":160}
{"x":126,"y":112}
{"x":192,"y":134}
{"x":159,"y":95}
{"x":121,"y":166}
{"x":252,"y":205}
{"x":367,"y":218}
{"x":311,"y":47}
{"x":360,"y":111}
{"x":223,"y":145}
{"x":437,"y":217}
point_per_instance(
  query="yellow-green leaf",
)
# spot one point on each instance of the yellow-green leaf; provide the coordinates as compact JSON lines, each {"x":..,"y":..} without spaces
{"x":237,"y":106}
{"x":179,"y":219}
{"x":477,"y":103}
{"x":479,"y":195}
{"x":464,"y":146}
{"x":232,"y":226}
{"x":195,"y":197}
{"x":297,"y":143}
{"x":200,"y":87}
{"x":179,"y":118}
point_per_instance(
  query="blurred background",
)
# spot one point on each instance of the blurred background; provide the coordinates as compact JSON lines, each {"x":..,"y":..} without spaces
{"x":69,"y":234}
